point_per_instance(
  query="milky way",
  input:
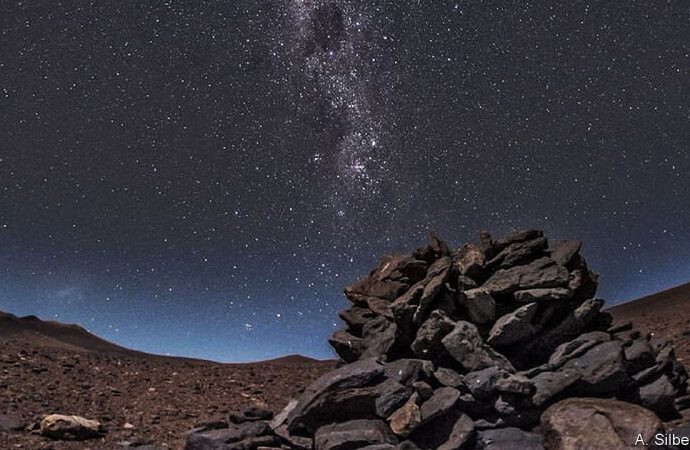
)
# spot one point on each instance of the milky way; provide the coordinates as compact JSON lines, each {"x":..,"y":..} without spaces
{"x":336,"y":44}
{"x":204,"y":178}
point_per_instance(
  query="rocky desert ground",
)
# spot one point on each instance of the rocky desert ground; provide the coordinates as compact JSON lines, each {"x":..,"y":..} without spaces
{"x":139,"y":398}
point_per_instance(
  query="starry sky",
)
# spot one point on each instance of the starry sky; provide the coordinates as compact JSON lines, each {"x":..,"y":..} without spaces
{"x":203,"y":178}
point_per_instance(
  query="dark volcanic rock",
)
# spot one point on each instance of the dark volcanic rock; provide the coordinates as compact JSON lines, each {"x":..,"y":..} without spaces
{"x":356,"y":317}
{"x":238,"y":434}
{"x":470,"y":261}
{"x":467,"y":347}
{"x":428,"y":344}
{"x":391,"y":396}
{"x":352,"y":435}
{"x":481,"y":306}
{"x":602,"y":369}
{"x":442,"y":402}
{"x":472,"y":316}
{"x":542,"y":273}
{"x":514,"y":327}
{"x":347,"y":346}
{"x":563,"y":252}
{"x":508,"y":439}
{"x":344,"y":392}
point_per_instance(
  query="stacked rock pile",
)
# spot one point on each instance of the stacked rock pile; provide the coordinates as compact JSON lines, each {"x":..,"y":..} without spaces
{"x":453,"y":349}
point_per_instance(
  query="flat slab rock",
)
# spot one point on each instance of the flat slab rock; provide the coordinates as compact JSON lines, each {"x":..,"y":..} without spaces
{"x":353,"y":435}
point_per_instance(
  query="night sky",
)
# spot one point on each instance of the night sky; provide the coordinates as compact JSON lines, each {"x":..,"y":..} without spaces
{"x":203,"y":178}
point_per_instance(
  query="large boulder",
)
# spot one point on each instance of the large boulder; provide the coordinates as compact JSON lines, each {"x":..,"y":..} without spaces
{"x":597,"y":424}
{"x":343,"y":392}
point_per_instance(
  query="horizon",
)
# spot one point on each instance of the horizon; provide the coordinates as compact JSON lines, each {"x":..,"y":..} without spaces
{"x":205,"y":179}
{"x":115,"y":337}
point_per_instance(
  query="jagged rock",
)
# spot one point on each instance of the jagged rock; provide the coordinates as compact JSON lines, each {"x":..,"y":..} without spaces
{"x":295,"y":441}
{"x":424,"y":390}
{"x":548,"y":385}
{"x":516,"y":383}
{"x":508,"y":439}
{"x":338,"y":394}
{"x":481,"y":306}
{"x":482,"y":383}
{"x":543,"y":294}
{"x":396,"y":267}
{"x":371,"y":287}
{"x":568,"y":329}
{"x":436,"y":277}
{"x":577,"y":347}
{"x":659,"y":396}
{"x":448,"y":431}
{"x":353,"y":435}
{"x":378,"y":338}
{"x":407,"y":371}
{"x":428,"y":344}
{"x":462,"y":431}
{"x":235,"y":436}
{"x":70,"y":428}
{"x":518,"y":252}
{"x":638,"y":355}
{"x":542,"y":273}
{"x":379,"y":306}
{"x":602,"y":369}
{"x":517,"y":236}
{"x":467,"y":347}
{"x":592,"y":423}
{"x":583,"y":282}
{"x":450,"y":378}
{"x":391,"y":396}
{"x":563,"y":252}
{"x":407,"y":418}
{"x":470,"y":261}
{"x":513,"y":327}
{"x":356,"y":317}
{"x":347,"y":346}
{"x":280,"y":418}
{"x":433,"y":251}
{"x":443,"y":401}
{"x":250,"y":414}
{"x":465,"y":283}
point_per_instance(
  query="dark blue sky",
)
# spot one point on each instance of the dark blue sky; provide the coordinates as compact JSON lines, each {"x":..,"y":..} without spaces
{"x":203,"y":178}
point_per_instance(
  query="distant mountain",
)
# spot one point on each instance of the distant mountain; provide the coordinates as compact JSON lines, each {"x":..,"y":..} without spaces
{"x":52,"y":334}
{"x":659,"y":303}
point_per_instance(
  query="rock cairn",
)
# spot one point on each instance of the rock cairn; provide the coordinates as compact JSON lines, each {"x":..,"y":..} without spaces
{"x":466,"y":349}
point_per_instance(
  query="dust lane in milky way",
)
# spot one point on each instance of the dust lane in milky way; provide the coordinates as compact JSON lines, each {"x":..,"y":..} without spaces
{"x":203,"y":179}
